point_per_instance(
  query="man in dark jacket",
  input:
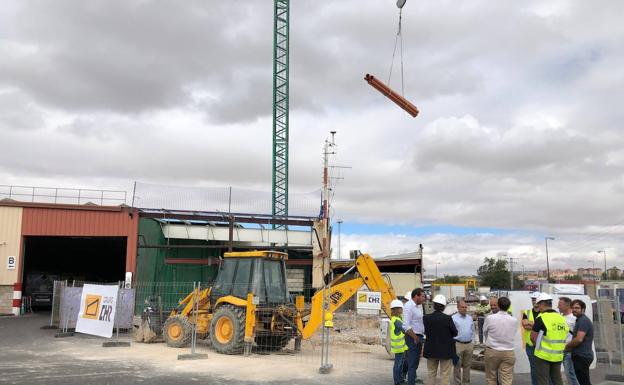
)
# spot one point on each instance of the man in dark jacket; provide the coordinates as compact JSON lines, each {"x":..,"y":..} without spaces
{"x":439,"y":350}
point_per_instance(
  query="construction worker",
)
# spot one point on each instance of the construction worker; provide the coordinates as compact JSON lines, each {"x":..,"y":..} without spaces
{"x":549,"y":337}
{"x":483,"y":309}
{"x":528,"y":319}
{"x":405,"y":299}
{"x":397,"y":340}
{"x":439,"y":348}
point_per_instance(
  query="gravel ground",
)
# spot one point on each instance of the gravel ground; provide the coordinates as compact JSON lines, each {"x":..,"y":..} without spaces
{"x":30,"y":355}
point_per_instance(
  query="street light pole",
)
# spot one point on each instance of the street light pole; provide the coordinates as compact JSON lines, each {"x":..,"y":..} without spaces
{"x":511,"y":272}
{"x":547,"y":262}
{"x":604,"y":253}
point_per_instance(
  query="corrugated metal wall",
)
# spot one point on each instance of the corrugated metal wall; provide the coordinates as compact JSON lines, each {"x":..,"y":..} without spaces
{"x":84,"y":221}
{"x":52,"y":222}
{"x":10,"y":242}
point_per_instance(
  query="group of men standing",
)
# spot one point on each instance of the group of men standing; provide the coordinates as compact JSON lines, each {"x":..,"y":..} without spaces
{"x":554,"y":338}
{"x":550,"y":338}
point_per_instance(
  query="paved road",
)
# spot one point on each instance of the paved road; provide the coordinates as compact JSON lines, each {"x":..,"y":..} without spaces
{"x":29,"y":355}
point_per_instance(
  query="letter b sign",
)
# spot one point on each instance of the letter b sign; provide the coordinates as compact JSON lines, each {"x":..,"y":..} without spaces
{"x":11,"y":262}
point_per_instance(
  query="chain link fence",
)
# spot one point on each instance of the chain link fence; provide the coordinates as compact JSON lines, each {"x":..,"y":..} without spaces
{"x":609,"y":332}
{"x":164,"y":313}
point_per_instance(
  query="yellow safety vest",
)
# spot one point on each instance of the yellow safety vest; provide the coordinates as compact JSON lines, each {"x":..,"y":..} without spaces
{"x":397,"y":342}
{"x":485,"y":309}
{"x":527,"y":333}
{"x":550,"y":346}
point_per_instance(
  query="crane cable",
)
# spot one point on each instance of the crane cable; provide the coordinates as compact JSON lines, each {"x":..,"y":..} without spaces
{"x":398,"y":41}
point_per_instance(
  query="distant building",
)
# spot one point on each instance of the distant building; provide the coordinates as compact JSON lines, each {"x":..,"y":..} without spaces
{"x":589,"y":274}
{"x":614,"y":273}
{"x":559,"y":274}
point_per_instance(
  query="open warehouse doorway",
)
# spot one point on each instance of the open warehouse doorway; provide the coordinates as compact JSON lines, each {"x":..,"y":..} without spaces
{"x":87,"y":259}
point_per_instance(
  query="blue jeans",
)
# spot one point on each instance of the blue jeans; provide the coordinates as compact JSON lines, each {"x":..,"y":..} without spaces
{"x":397,"y":369}
{"x":413,"y":358}
{"x":530,"y":352}
{"x":568,"y":368}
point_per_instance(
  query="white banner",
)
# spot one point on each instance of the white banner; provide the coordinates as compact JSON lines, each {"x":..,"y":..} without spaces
{"x":97,"y":310}
{"x":370,"y":300}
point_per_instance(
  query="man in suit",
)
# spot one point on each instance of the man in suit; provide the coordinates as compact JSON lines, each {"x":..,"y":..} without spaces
{"x":440,"y":332}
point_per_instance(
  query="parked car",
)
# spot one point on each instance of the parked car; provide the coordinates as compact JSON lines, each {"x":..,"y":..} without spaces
{"x":39,"y":287}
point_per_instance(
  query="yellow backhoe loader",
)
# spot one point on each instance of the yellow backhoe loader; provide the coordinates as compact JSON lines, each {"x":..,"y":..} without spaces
{"x":249,"y":303}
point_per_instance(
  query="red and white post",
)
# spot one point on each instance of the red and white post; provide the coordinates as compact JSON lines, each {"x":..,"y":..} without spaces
{"x":17,"y":298}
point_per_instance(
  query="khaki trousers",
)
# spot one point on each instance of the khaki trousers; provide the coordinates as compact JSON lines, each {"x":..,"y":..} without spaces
{"x":501,"y":361}
{"x":464,"y":352}
{"x":445,"y":371}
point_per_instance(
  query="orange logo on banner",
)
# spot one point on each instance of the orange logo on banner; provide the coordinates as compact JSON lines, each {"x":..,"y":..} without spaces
{"x":362,"y":298}
{"x":92,"y":306}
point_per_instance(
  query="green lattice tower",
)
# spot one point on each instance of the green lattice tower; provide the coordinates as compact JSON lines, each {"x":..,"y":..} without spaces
{"x":280,"y":108}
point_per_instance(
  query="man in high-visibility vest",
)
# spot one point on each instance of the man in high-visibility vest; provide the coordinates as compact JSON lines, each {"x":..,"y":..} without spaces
{"x":549,"y":337}
{"x":528,"y":320}
{"x":483,"y":310}
{"x":397,"y":340}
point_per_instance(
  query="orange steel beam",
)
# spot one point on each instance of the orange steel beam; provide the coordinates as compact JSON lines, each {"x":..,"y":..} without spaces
{"x":396,"y":98}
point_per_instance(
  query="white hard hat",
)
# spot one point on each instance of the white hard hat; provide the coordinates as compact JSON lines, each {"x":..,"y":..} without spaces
{"x":482,"y":298}
{"x":543,"y":297}
{"x":440,"y":299}
{"x":535,"y":294}
{"x":396,"y":303}
{"x":408,"y":295}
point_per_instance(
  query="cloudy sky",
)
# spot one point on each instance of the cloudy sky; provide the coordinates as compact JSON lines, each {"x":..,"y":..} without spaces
{"x":519,"y":135}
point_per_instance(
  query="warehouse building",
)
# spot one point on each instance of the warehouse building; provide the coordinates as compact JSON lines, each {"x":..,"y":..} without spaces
{"x":43,"y":242}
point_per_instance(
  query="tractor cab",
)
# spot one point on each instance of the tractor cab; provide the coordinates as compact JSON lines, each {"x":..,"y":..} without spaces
{"x":262,"y":273}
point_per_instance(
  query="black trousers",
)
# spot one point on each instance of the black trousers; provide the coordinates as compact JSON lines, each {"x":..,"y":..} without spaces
{"x":581,"y":369}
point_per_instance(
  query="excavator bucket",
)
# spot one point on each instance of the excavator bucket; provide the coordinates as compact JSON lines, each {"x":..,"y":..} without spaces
{"x":390,"y":94}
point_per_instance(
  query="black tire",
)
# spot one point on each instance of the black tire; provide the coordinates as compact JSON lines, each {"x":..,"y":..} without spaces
{"x":177,"y":331}
{"x":271,"y":343}
{"x":230,"y":343}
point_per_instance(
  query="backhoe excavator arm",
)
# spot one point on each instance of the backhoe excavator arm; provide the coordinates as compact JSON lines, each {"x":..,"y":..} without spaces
{"x":340,"y":292}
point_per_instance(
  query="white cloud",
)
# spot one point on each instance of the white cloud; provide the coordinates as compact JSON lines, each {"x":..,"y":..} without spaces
{"x":520,"y":125}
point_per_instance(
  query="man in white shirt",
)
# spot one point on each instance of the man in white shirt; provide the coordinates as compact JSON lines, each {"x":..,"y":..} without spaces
{"x":499,"y":332}
{"x":565,"y":308}
{"x":414,"y":333}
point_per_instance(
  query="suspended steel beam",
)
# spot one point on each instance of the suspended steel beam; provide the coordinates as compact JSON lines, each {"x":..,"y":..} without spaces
{"x":390,"y":94}
{"x":280,"y":108}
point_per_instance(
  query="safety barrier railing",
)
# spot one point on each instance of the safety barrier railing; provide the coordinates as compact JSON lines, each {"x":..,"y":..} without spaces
{"x":59,"y":195}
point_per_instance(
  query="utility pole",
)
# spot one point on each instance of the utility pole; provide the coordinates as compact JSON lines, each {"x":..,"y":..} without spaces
{"x":604,"y":253}
{"x":547,"y":263}
{"x":593,"y":269}
{"x":339,"y":245}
